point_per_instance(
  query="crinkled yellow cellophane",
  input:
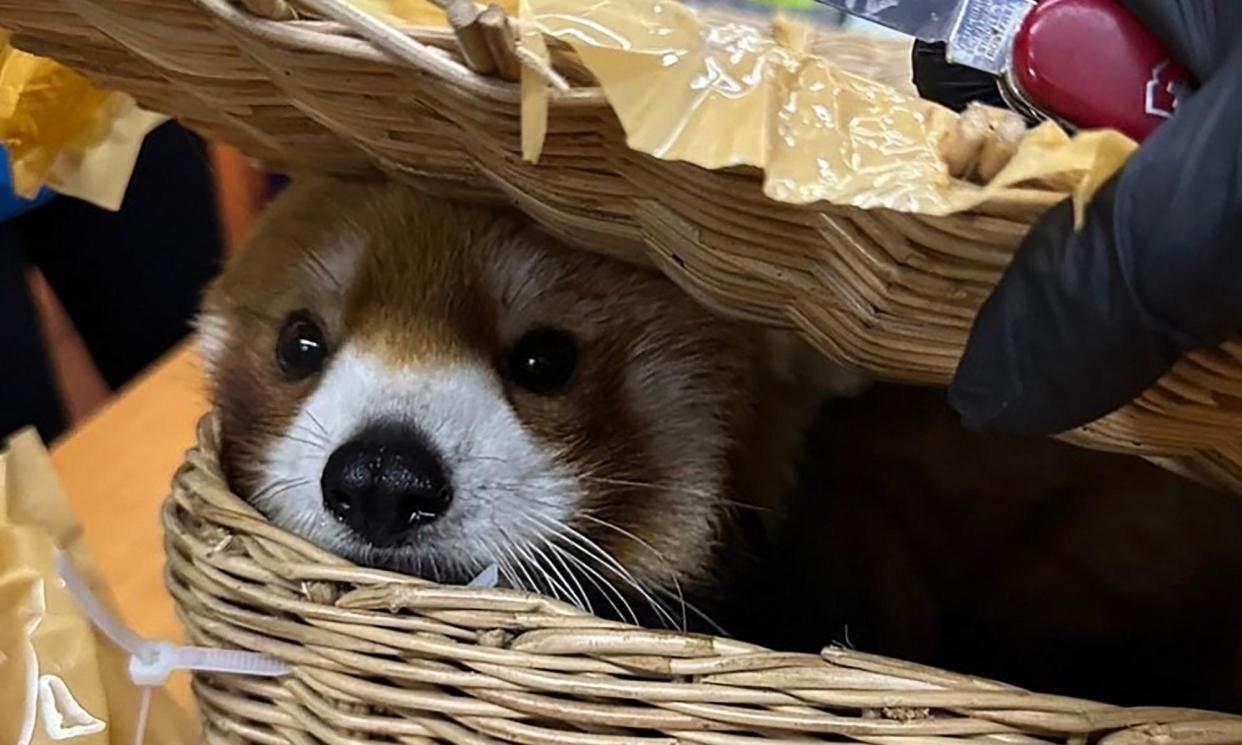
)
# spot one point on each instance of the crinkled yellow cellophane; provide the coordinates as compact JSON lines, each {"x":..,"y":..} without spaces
{"x":60,"y":682}
{"x":720,"y":92}
{"x":417,"y":12}
{"x":63,"y":132}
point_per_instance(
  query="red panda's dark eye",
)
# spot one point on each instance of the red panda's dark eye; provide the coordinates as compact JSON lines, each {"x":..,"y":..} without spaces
{"x":301,"y":349}
{"x":543,"y":361}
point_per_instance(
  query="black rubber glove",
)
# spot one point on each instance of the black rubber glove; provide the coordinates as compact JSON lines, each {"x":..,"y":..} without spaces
{"x":1082,"y":322}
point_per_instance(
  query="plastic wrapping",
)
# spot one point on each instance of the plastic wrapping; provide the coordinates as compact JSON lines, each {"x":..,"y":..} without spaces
{"x":60,"y":682}
{"x":419,"y":12}
{"x":63,"y":132}
{"x":721,"y":90}
{"x":535,"y":95}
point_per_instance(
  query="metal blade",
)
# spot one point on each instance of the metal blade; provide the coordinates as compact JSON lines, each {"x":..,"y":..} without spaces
{"x":979,"y":33}
{"x":929,"y":20}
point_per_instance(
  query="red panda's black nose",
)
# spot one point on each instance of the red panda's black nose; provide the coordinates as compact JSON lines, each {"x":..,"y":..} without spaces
{"x":384,"y":483}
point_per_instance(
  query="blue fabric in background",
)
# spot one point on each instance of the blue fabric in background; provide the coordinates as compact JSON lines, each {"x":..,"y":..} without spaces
{"x":12,"y":205}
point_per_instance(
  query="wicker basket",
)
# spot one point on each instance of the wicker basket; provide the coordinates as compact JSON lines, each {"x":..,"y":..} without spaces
{"x":386,"y":658}
{"x":891,"y":293}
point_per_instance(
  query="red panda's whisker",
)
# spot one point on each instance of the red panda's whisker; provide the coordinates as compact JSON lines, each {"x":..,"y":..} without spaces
{"x":606,"y":588}
{"x":659,"y":556}
{"x":578,"y":597}
{"x":607,"y":561}
{"x":560,"y":590}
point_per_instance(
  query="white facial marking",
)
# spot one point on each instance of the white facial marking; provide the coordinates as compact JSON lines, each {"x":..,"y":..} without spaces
{"x":212,"y":332}
{"x":507,"y":487}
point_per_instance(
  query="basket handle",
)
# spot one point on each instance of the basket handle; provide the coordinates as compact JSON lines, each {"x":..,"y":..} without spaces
{"x":487,"y":41}
{"x":399,"y":45}
{"x":276,"y":10}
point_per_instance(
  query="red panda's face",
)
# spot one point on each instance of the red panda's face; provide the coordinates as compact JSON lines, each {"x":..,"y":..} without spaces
{"x":433,"y":388}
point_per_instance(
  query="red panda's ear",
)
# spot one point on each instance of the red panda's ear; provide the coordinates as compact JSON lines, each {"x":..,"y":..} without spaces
{"x":211,"y":332}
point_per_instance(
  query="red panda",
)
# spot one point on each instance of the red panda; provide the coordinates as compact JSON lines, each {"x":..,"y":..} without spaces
{"x":433,"y":387}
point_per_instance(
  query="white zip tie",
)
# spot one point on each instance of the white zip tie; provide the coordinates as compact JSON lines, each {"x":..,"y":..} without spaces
{"x":144,"y":709}
{"x":151,"y":662}
{"x":488,"y":578}
{"x":109,"y":624}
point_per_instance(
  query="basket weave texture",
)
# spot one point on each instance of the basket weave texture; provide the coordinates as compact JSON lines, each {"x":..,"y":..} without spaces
{"x":892,"y":293}
{"x":387,"y":658}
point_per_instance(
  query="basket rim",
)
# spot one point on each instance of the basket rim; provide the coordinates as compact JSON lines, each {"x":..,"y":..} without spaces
{"x":330,"y":37}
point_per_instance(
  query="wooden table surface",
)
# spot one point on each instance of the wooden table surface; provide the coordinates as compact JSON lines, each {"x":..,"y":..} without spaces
{"x":117,"y":467}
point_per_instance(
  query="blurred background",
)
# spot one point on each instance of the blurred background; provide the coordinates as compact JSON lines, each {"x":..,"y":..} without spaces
{"x":90,"y":298}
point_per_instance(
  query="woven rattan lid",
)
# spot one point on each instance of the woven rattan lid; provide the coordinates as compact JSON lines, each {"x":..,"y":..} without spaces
{"x":890,"y":292}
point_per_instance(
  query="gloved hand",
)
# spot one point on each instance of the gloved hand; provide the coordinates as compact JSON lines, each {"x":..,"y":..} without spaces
{"x":1082,"y":322}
